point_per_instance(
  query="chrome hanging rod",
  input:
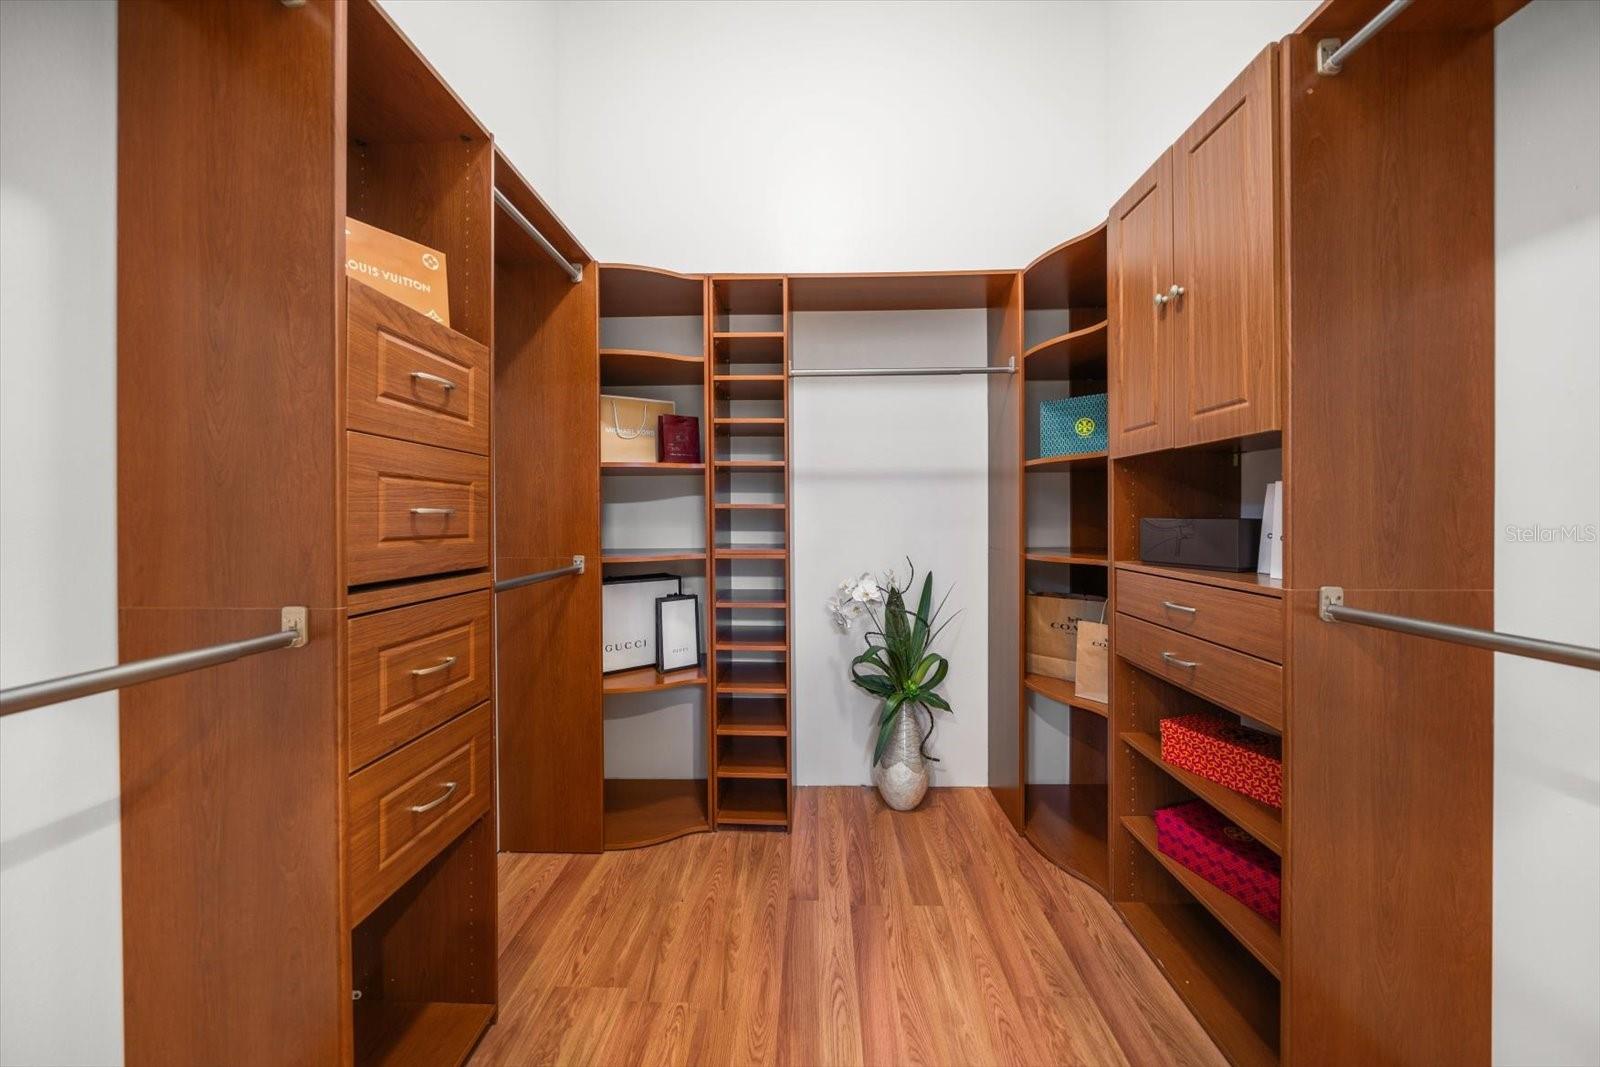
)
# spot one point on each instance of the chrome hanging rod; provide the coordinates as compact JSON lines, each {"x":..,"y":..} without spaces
{"x":575,"y":567}
{"x":574,"y":271}
{"x":1330,"y":608}
{"x":1331,"y":52}
{"x":73,"y":686}
{"x":900,"y":372}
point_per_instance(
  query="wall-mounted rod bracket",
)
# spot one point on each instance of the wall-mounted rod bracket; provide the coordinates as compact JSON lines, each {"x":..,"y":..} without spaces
{"x":1331,"y":52}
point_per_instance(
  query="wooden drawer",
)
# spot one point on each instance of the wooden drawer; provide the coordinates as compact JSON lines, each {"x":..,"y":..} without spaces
{"x":410,"y":377}
{"x":413,"y":510}
{"x":1232,"y":679}
{"x":412,"y":668}
{"x":1249,"y":623}
{"x":403,"y":809}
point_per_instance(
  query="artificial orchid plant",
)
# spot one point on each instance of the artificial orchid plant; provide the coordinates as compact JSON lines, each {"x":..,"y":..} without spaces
{"x":897,"y":666}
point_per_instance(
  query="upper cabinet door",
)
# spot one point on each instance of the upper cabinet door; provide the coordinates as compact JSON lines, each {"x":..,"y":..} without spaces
{"x":1139,"y":261}
{"x":1225,"y":313}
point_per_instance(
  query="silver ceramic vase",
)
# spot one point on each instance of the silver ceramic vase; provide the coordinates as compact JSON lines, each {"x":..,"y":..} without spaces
{"x":901,"y":774}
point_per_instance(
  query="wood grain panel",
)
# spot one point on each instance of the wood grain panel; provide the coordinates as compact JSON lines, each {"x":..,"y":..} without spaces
{"x":1243,"y":621}
{"x":547,"y":508}
{"x":413,"y":510}
{"x":1226,"y":324}
{"x":229,"y":348}
{"x":401,"y":811}
{"x":1139,"y":254}
{"x":410,"y":669}
{"x":1232,"y":679}
{"x":1007,"y":754}
{"x":412,"y":378}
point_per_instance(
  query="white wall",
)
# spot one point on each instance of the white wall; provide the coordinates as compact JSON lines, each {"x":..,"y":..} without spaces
{"x":60,"y":902}
{"x":882,"y":469}
{"x":1547,"y":454}
{"x":500,"y":58}
{"x":830,"y":136}
{"x":1171,"y":59}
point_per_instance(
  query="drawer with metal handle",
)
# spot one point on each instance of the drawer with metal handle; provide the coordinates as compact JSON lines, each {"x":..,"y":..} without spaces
{"x":413,"y":510}
{"x":403,"y":810}
{"x":1249,"y":622}
{"x":1232,"y":679}
{"x":410,"y":377}
{"x":412,"y":668}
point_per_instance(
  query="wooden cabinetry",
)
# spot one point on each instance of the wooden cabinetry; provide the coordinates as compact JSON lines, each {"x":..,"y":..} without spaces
{"x":1197,"y":352}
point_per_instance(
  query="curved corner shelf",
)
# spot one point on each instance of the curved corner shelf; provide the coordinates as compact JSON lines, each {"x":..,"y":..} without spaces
{"x":650,"y":680}
{"x":1078,"y":354}
{"x":1063,"y":692}
{"x":1082,"y":557}
{"x":609,"y":556}
{"x":1070,"y":275}
{"x":640,"y":366}
{"x":648,"y":811}
{"x":658,"y":469}
{"x":1067,"y":825}
{"x":1064,"y":463}
{"x":628,"y":290}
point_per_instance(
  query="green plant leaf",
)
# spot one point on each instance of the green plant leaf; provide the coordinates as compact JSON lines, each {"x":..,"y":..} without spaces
{"x":919,"y":632}
{"x":886,"y":721}
{"x":934,"y":700}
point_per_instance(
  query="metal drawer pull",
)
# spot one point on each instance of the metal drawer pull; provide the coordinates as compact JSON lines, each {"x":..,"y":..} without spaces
{"x":443,"y":665}
{"x":1186,"y":664}
{"x":433,"y":511}
{"x":1170,"y":606}
{"x":423,"y":376}
{"x":449,"y":787}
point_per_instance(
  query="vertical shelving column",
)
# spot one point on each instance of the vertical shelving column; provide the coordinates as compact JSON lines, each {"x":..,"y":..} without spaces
{"x":1065,"y":531}
{"x":749,"y":507}
{"x":654,"y":520}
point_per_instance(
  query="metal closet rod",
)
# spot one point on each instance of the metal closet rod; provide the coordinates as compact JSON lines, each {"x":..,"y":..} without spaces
{"x":1331,"y":52}
{"x":574,"y":271}
{"x":72,"y":686}
{"x":575,"y":567}
{"x":1331,"y":608}
{"x":900,"y":372}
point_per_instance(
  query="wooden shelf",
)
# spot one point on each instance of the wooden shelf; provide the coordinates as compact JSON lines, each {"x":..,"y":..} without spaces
{"x":1063,"y":692}
{"x":747,"y":335}
{"x":755,"y":347}
{"x":772,"y":638}
{"x":900,"y":291}
{"x":735,"y":552}
{"x":752,"y":678}
{"x":750,"y":464}
{"x":1067,"y":823}
{"x":628,"y":291}
{"x":750,"y":427}
{"x":752,"y":598}
{"x":1070,"y":275}
{"x":649,"y":680}
{"x":634,"y":366}
{"x":1261,"y":822}
{"x":1065,"y":463}
{"x":1084,"y":557}
{"x":1234,"y":998}
{"x":1256,"y":934}
{"x":752,"y":802}
{"x":730,"y":506}
{"x":1080,"y":354}
{"x":748,"y":295}
{"x":658,"y":469}
{"x":752,"y":757}
{"x":752,"y":717}
{"x":651,"y":555}
{"x":1247,"y":581}
{"x":749,"y":386}
{"x":400,"y":1033}
{"x":647,"y":811}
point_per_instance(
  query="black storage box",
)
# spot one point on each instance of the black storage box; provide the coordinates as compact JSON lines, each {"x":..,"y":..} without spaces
{"x":1220,"y":544}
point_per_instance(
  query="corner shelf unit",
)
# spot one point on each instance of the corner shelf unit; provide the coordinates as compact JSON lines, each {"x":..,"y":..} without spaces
{"x":1065,"y":504}
{"x":750,"y":750}
{"x":652,"y":334}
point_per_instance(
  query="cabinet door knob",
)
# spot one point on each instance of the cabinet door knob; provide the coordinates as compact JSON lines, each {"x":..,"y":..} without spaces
{"x":1175,"y":292}
{"x":1161,"y":298}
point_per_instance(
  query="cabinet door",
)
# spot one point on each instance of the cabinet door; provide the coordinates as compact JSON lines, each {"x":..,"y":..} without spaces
{"x":1226,"y":323}
{"x":1139,"y":254}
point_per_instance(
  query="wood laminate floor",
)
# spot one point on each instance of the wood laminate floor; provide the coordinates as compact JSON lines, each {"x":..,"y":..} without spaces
{"x":866,"y":936}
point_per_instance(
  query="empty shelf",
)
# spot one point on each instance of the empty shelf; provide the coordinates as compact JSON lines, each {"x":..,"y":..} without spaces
{"x":1063,"y":692}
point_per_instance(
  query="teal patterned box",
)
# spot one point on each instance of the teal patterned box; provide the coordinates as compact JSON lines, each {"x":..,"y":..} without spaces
{"x":1072,"y":425}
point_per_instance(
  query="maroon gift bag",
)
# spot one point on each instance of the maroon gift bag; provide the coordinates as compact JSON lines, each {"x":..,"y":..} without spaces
{"x":677,"y":439}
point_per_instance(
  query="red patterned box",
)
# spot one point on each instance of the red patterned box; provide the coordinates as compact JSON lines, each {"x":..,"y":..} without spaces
{"x":1221,"y":853}
{"x":1219,"y":750}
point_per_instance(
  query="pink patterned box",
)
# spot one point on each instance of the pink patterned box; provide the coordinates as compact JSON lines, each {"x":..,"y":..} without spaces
{"x":1224,"y":855}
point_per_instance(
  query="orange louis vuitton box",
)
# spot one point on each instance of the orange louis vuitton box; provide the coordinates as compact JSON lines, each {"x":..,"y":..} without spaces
{"x":403,"y":270}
